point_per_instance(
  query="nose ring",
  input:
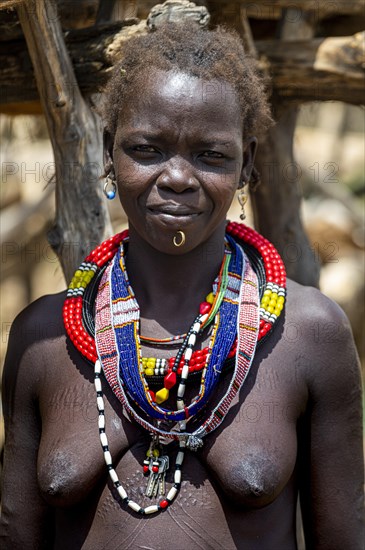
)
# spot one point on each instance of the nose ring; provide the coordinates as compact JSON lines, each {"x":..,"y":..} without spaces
{"x":182,"y":239}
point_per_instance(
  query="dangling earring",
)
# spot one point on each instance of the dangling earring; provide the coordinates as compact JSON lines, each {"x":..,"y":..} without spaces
{"x":242,"y":199}
{"x":110,"y":194}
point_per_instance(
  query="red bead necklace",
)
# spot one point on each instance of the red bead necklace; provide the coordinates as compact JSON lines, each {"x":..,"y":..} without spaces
{"x":272,"y":301}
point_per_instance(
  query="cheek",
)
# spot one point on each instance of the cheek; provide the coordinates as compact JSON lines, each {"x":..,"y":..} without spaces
{"x":127,"y":171}
{"x":128,"y":176}
{"x":222,"y":180}
{"x":132,"y":178}
{"x":222,"y":192}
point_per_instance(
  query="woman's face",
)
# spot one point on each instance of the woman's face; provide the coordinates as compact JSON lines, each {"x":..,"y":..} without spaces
{"x":179,"y":157}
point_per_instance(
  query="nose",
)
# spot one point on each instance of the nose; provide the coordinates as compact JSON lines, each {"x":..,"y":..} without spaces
{"x":177,"y":175}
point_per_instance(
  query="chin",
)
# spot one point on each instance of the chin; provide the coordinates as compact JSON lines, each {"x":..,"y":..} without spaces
{"x":165,"y":245}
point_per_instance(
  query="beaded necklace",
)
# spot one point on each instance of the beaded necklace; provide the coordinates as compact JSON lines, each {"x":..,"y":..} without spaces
{"x":80,"y":328}
{"x":132,"y":390}
{"x":247,"y":328}
{"x":122,"y":319}
{"x":161,"y":341}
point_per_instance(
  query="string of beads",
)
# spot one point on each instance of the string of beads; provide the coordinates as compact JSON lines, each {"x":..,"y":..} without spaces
{"x":247,"y":339}
{"x":271,"y":305}
{"x":76,"y":314}
{"x":123,"y":327}
{"x":165,"y":502}
{"x":160,"y":367}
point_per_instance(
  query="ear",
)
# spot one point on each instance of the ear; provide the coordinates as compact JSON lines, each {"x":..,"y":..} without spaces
{"x":249,"y":153}
{"x":108,"y":143}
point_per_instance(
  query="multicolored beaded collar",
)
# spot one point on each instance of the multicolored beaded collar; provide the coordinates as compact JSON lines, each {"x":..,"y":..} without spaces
{"x":119,"y":324}
{"x":232,"y":306}
{"x":272,"y":299}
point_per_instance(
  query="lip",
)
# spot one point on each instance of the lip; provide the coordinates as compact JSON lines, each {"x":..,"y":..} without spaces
{"x":174,"y":217}
{"x":173,"y":210}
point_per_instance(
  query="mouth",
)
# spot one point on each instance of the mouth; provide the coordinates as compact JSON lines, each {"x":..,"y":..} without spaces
{"x":173,"y":212}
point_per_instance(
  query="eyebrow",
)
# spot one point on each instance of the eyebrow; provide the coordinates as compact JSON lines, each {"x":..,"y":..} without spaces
{"x":154,"y":134}
{"x":144,"y":134}
{"x":160,"y":135}
{"x":220,"y":143}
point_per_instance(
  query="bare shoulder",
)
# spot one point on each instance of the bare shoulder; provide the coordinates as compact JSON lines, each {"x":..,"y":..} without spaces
{"x":43,"y":310}
{"x":33,"y":330}
{"x":311,"y":304}
{"x":40,"y":321}
{"x":324,"y":339}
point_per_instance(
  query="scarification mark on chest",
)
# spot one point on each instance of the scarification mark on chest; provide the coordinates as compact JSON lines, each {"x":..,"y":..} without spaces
{"x":69,"y":404}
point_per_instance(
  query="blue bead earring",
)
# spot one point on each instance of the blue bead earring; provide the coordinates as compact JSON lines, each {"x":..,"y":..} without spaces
{"x":110,"y":193}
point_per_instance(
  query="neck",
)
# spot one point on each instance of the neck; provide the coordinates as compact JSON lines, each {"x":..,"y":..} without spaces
{"x":169,"y":288}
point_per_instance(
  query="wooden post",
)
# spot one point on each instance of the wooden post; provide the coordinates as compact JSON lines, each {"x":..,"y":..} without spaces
{"x":276,"y":202}
{"x":82,"y":220}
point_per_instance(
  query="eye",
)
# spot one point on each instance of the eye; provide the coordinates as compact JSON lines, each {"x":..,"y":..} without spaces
{"x":145,"y":152}
{"x":145,"y":149}
{"x":212,"y":155}
{"x":213,"y":158}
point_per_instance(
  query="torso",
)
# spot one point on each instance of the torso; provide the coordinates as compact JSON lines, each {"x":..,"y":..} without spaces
{"x":239,"y":491}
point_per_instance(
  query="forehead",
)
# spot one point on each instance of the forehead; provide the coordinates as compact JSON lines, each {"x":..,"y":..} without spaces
{"x":181,"y":86}
{"x":183,"y":99}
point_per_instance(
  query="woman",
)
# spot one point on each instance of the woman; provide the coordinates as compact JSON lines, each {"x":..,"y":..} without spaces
{"x":209,"y":417}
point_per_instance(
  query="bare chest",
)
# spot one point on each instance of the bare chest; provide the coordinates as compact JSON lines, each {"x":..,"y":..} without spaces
{"x":249,"y":459}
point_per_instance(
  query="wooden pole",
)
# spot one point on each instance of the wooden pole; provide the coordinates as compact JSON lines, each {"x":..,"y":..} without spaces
{"x":276,"y":202}
{"x":75,"y":132}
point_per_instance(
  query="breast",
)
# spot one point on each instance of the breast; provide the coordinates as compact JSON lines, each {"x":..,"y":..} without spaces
{"x":70,"y":459}
{"x":252,"y":469}
{"x":67,"y":474}
{"x":255,"y":480}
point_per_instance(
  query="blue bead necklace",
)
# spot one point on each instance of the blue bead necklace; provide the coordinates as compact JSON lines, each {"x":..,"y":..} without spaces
{"x":125,"y":319}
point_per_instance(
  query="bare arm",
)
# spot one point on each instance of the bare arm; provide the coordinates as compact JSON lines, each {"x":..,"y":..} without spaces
{"x":332,"y":459}
{"x":25,"y":517}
